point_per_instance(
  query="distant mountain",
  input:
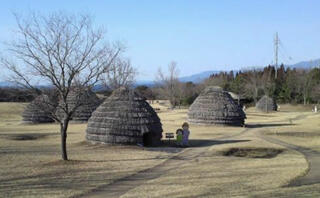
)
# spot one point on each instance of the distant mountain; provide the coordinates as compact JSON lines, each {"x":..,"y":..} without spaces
{"x":306,"y":64}
{"x":7,"y":84}
{"x":148,"y":83}
{"x":15,"y":85}
{"x":199,"y":77}
{"x":195,"y":78}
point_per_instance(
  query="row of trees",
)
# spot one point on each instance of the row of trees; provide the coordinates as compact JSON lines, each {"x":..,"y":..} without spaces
{"x":9,"y":94}
{"x":290,"y":86}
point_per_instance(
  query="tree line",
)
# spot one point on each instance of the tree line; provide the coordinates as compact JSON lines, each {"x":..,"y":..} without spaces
{"x":292,"y":85}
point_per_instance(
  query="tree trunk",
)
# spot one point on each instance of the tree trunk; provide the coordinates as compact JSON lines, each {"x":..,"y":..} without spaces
{"x":304,"y":100}
{"x":63,"y":131}
{"x":255,"y":96}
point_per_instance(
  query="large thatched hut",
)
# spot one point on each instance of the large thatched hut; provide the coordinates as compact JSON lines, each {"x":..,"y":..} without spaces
{"x":39,"y":110}
{"x":86,"y":100}
{"x":215,"y":106}
{"x":125,"y":118}
{"x":266,"y":104}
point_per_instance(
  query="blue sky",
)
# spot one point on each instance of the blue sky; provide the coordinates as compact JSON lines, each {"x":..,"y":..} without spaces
{"x":198,"y":35}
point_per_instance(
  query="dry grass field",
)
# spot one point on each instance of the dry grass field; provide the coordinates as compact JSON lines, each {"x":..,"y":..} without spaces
{"x":30,"y":164}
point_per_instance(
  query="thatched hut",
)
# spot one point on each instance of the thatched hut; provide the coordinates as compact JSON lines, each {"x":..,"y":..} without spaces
{"x":215,"y":106}
{"x":125,"y":118}
{"x":87,"y":102}
{"x":39,"y":110}
{"x":266,"y":104}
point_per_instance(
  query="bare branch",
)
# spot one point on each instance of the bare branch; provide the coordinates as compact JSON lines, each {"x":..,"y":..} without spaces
{"x":171,"y":87}
{"x":120,"y":74}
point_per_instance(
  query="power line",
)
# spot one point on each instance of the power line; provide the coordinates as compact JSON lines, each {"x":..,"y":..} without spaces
{"x":284,"y":52}
{"x":276,"y":48}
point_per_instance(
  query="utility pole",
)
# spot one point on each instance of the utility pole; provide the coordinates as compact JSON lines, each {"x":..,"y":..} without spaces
{"x":276,"y":47}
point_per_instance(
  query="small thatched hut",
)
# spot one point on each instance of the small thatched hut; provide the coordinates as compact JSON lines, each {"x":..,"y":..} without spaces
{"x":39,"y":110}
{"x":125,"y":118}
{"x":215,"y":106}
{"x":266,"y":104}
{"x":87,"y":102}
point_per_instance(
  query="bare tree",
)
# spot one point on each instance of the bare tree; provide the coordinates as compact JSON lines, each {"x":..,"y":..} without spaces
{"x":170,"y":84}
{"x":305,"y":84}
{"x":254,"y":82}
{"x":315,"y":93}
{"x":120,"y":74}
{"x":238,"y":86}
{"x":62,"y":50}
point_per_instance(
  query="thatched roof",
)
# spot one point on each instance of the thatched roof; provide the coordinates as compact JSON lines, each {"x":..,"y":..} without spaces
{"x":235,"y":96}
{"x":125,"y":118}
{"x":87,"y":102}
{"x":215,"y":106}
{"x":39,"y":110}
{"x":266,"y":104}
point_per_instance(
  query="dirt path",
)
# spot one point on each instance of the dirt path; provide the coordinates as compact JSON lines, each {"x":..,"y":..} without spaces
{"x":123,"y":185}
{"x":313,"y":158}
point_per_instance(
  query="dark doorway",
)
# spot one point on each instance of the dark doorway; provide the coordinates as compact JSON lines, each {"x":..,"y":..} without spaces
{"x":150,"y":139}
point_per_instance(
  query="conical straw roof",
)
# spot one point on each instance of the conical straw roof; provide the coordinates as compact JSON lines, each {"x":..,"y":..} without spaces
{"x":266,"y":104}
{"x":125,"y":118}
{"x":39,"y":110}
{"x":215,"y":106}
{"x":88,"y":103}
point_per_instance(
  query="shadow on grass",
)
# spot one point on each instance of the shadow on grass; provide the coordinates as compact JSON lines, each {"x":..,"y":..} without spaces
{"x":40,"y":185}
{"x":169,"y":147}
{"x":25,"y":136}
{"x":266,"y":125}
{"x":260,"y":115}
{"x":74,"y":162}
{"x":165,"y":146}
{"x":193,"y":143}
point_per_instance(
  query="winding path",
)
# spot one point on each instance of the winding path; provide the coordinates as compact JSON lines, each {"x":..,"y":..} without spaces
{"x":123,"y":185}
{"x":313,"y":158}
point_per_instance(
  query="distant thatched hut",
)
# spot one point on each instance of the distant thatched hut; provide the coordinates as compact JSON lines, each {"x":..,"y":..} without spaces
{"x":125,"y":118}
{"x":266,"y":104}
{"x":215,"y":106}
{"x":39,"y":110}
{"x":87,"y":102}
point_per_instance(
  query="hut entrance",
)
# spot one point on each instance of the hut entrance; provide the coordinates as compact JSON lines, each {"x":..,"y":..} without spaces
{"x":147,"y":139}
{"x":150,"y":139}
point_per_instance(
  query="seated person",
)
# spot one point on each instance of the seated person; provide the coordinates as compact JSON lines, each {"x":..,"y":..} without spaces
{"x":179,"y":134}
